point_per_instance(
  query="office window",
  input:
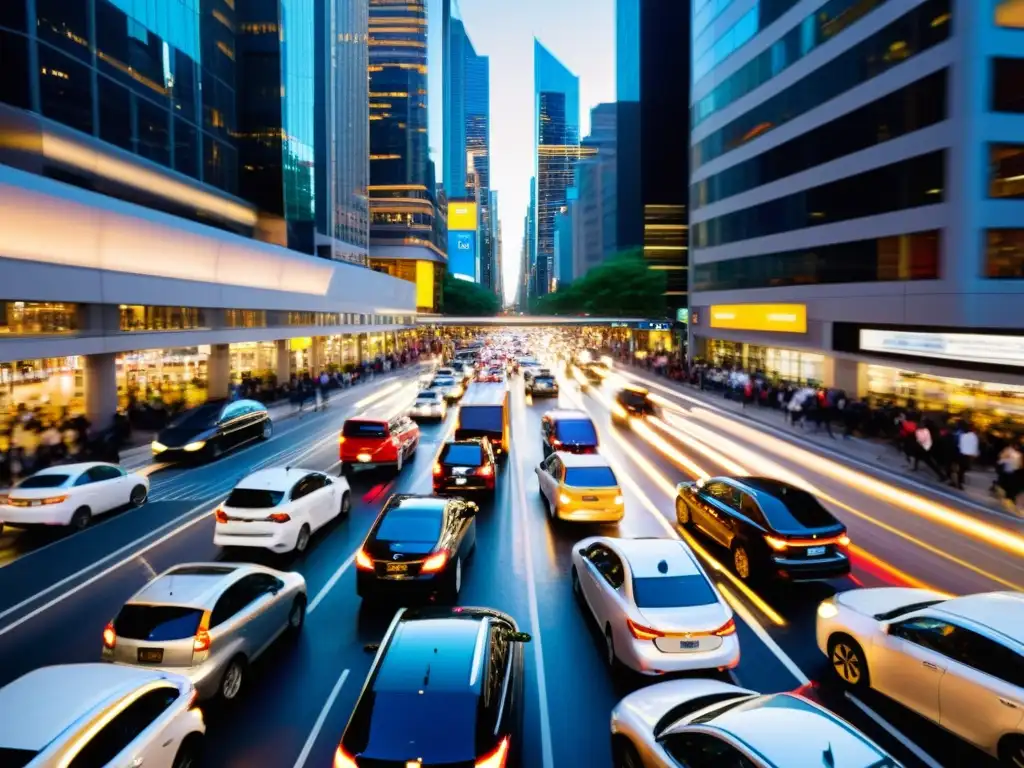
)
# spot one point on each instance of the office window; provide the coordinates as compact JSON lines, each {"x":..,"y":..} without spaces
{"x":14,"y":82}
{"x":220,"y":164}
{"x":721,"y":48}
{"x":30,"y":318}
{"x":136,"y":317}
{"x":1006,"y":170}
{"x":770,"y":10}
{"x":1008,"y":85}
{"x":186,"y":148}
{"x":905,"y":257}
{"x":185,"y":90}
{"x":65,"y":89}
{"x":154,"y":135}
{"x":1010,"y":13}
{"x":920,"y":29}
{"x":245,"y":318}
{"x":13,"y":15}
{"x":64,"y":24}
{"x":115,"y":114}
{"x":1004,"y":254}
{"x":904,"y":111}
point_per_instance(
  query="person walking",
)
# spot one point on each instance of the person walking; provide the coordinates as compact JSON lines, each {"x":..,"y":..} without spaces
{"x":968,"y":451}
{"x":1008,"y":474}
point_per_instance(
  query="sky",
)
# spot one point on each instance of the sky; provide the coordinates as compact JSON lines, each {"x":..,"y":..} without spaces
{"x":580,"y":33}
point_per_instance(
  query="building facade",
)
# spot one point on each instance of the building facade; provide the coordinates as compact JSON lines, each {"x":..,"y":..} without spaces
{"x":856,"y":206}
{"x":628,"y":53}
{"x":595,"y":180}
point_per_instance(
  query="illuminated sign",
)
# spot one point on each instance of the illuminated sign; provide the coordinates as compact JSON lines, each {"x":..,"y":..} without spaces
{"x":462,"y":254}
{"x":462,"y":217}
{"x":682,"y":315}
{"x":784,"y":318}
{"x":963,"y":347}
{"x":425,"y":285}
{"x":649,"y":326}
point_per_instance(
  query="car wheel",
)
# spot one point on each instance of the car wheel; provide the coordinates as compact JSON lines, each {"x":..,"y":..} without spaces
{"x":232,"y":680}
{"x":682,"y":513}
{"x":626,"y":755}
{"x":1011,"y":751}
{"x":297,"y":615}
{"x":741,"y":561}
{"x":346,"y":504}
{"x":302,"y":540}
{"x":138,"y":496}
{"x":268,"y":430}
{"x":847,"y":660}
{"x":81,"y":519}
{"x":576,"y":588}
{"x":188,"y":753}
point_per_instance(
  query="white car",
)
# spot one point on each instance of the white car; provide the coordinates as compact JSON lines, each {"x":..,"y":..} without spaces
{"x":280,"y":508}
{"x":956,"y":661}
{"x":99,"y":715}
{"x":72,"y":494}
{"x":429,"y":404}
{"x":712,"y":723}
{"x":655,"y":605}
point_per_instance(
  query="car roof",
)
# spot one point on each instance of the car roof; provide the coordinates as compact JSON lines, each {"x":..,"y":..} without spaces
{"x":442,"y":651}
{"x":582,"y":459}
{"x":1002,"y":612}
{"x":635,"y":389}
{"x":766,"y":724}
{"x":274,"y":478}
{"x":194,"y":585}
{"x":72,"y":469}
{"x":364,"y":420}
{"x":567,"y":414}
{"x":40,"y":705}
{"x":645,"y":554}
{"x":413,"y":501}
{"x":760,"y":485}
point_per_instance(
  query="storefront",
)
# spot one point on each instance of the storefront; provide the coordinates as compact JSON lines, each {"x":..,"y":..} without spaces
{"x":171,"y":376}
{"x":792,"y":365}
{"x":253,"y":359}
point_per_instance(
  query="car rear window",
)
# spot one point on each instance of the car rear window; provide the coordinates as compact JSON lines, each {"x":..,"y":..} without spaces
{"x":462,"y":454}
{"x":254,"y":498}
{"x":579,"y":431}
{"x":157,"y":623}
{"x":672,"y":592}
{"x":590,"y":477}
{"x":44,"y":481}
{"x":420,"y":526}
{"x":544,"y":380}
{"x":427,"y":396}
{"x":633,"y":399}
{"x":444,"y":381}
{"x":793,"y":508}
{"x":482,"y":417}
{"x":364,"y":429}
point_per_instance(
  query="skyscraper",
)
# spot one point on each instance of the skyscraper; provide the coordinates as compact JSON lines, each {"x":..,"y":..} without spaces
{"x":629,"y":224}
{"x":556,"y":141}
{"x":405,"y":234}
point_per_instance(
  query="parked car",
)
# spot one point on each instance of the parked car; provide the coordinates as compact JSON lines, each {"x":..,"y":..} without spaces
{"x":370,"y":443}
{"x":208,"y":431}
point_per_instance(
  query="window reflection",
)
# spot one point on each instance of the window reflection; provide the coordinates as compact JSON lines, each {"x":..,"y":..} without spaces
{"x":65,"y":89}
{"x":136,"y":317}
{"x":1008,"y":85}
{"x":246,"y":318}
{"x":32,"y":318}
{"x":1006,"y":177}
{"x":1004,"y":253}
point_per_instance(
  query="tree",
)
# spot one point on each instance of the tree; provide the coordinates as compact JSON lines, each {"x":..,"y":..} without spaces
{"x":461,"y":298}
{"x":623,"y":286}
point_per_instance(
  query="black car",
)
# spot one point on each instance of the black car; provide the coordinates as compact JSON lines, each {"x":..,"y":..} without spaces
{"x":416,"y":547}
{"x":569,"y":431}
{"x":632,"y":401}
{"x":445,"y":689}
{"x":466,"y":465}
{"x":542,"y":385}
{"x":771,"y":528}
{"x":209,"y":430}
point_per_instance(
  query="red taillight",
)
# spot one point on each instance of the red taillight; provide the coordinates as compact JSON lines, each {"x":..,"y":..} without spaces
{"x":640,"y":632}
{"x":556,"y":442}
{"x":341,"y":439}
{"x":434,"y":563}
{"x":729,"y":628}
{"x":109,"y":636}
{"x":486,"y":470}
{"x":496,"y":758}
{"x":221,"y":515}
{"x":437,"y":468}
{"x":363,"y":561}
{"x":843,"y":541}
{"x":279,"y":517}
{"x":201,"y":642}
{"x":343,"y":759}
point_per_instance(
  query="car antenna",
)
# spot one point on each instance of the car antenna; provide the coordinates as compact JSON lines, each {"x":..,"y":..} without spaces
{"x":662,"y":567}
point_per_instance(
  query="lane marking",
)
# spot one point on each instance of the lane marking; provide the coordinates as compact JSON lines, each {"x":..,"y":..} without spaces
{"x":762,"y":634}
{"x":886,"y":726}
{"x":321,"y":719}
{"x":326,"y":588}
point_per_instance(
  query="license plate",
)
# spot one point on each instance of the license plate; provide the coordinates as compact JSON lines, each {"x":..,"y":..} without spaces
{"x":460,"y":481}
{"x":151,"y":655}
{"x":398,"y":567}
{"x":815,"y":551}
{"x":590,"y":498}
{"x":688,"y":645}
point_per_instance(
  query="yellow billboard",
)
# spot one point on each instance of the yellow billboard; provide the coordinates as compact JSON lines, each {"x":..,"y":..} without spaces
{"x":462,"y":217}
{"x":425,"y":285}
{"x":783,"y":318}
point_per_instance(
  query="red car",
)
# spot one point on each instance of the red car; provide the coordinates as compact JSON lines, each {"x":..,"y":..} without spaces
{"x":493,"y":374}
{"x":367,"y":443}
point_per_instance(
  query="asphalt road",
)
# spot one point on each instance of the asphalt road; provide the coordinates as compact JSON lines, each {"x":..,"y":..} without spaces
{"x":56,"y":595}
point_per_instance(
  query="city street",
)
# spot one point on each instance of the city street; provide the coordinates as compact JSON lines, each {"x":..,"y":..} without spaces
{"x":57,"y":595}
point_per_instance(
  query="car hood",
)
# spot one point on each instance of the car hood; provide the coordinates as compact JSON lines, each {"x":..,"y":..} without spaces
{"x":176,"y":437}
{"x":871,"y":602}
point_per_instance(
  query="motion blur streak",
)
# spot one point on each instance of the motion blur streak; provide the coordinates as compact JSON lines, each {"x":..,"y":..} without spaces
{"x":379,"y":394}
{"x":730,"y":465}
{"x":868,"y":562}
{"x":648,"y":434}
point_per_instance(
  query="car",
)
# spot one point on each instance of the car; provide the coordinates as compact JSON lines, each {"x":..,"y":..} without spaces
{"x":772,"y":529}
{"x":207,"y":621}
{"x":485,"y":412}
{"x":705,"y":723}
{"x":465,"y":465}
{"x":429,"y":404}
{"x":632,"y":402}
{"x":492,"y":373}
{"x":546,"y":386}
{"x":957,"y":661}
{"x":371,"y":443}
{"x":280,"y":508}
{"x":568,"y":431}
{"x":655,"y":605}
{"x":416,"y":547}
{"x":534,"y":369}
{"x":580,"y":487}
{"x":451,"y":389}
{"x":209,"y":430}
{"x":448,"y":372}
{"x":92,"y":715}
{"x":464,"y":371}
{"x":71,"y":495}
{"x":445,"y":688}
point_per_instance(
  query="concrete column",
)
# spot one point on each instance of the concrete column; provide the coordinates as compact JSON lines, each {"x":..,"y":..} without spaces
{"x":846,"y":376}
{"x":218,"y":372}
{"x":283,"y":364}
{"x":360,"y":347}
{"x":100,"y":389}
{"x":316,"y":355}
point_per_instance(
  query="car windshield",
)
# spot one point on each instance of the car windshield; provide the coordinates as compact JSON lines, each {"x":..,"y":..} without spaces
{"x":793,"y":509}
{"x":672,"y":592}
{"x":633,"y":399}
{"x":579,"y":431}
{"x":157,"y":623}
{"x":590,"y":477}
{"x":462,"y":454}
{"x":411,"y":524}
{"x":428,"y":396}
{"x":197,"y":418}
{"x":444,"y":381}
{"x":44,"y":481}
{"x":544,"y":380}
{"x":253,"y":498}
{"x":364,"y":429}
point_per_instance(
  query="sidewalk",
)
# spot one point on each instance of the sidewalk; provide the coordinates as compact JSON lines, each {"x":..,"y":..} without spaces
{"x":866,"y":451}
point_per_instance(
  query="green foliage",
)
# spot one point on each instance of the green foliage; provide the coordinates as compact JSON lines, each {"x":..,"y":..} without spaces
{"x":621,"y":287}
{"x":461,"y":298}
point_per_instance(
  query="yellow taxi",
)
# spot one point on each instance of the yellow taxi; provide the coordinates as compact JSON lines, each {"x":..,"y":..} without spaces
{"x":580,"y":487}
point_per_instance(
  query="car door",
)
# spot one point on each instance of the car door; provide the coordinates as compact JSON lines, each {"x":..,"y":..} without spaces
{"x":88,"y":492}
{"x":328,"y":499}
{"x":240,"y":615}
{"x":230,"y":425}
{"x":909,"y":661}
{"x":544,"y":476}
{"x":303,"y":500}
{"x":463,"y":523}
{"x":136,"y":736}
{"x":717,"y":499}
{"x":109,"y":485}
{"x":591,"y":577}
{"x":981,"y":696}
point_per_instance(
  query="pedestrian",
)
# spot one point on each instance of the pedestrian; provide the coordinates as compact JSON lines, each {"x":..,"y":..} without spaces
{"x":1008,"y":473}
{"x":967,"y":451}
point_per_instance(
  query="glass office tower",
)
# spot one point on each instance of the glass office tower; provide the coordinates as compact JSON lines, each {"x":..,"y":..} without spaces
{"x":557,"y":140}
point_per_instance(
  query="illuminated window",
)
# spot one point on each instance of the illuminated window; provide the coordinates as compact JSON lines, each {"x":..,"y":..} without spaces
{"x":245,"y":318}
{"x":136,"y":317}
{"x":1010,"y":13}
{"x":1006,"y":170}
{"x":30,"y":318}
{"x":1004,"y":254}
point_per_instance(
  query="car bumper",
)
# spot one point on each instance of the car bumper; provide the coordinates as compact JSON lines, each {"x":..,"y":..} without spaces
{"x":205,"y":677}
{"x":472,"y":484}
{"x":590,"y":515}
{"x":49,"y":514}
{"x":371,"y":586}
{"x":644,"y":657}
{"x":811,"y":570}
{"x":272,"y":536}
{"x":433,"y":413}
{"x":368,"y":460}
{"x":543,"y":392}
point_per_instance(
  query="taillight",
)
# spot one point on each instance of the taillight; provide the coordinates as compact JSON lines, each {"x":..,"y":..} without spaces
{"x":437,"y":468}
{"x":341,"y":439}
{"x":109,"y":636}
{"x":729,"y":628}
{"x":279,"y":517}
{"x":486,"y":470}
{"x":222,"y":516}
{"x":496,"y":758}
{"x":556,"y":442}
{"x":843,"y":541}
{"x":779,"y":545}
{"x":201,"y":642}
{"x":343,"y":759}
{"x":363,"y":561}
{"x":640,"y":632}
{"x":434,"y":563}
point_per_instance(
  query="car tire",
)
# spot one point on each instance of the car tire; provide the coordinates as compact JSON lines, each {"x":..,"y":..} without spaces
{"x":624,"y":754}
{"x":577,"y":589}
{"x":609,"y":649}
{"x":346,"y":505}
{"x":742,"y":565}
{"x":189,"y":752}
{"x":682,"y":513}
{"x":80,"y":519}
{"x":847,"y":660}
{"x":233,"y":679}
{"x":268,"y":430}
{"x":1011,"y":750}
{"x":302,"y":540}
{"x":297,"y":615}
{"x":138,"y":496}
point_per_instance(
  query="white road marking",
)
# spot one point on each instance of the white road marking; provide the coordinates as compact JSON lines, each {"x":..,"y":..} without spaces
{"x":886,"y":726}
{"x":326,"y":588}
{"x":764,"y":637}
{"x":321,"y":719}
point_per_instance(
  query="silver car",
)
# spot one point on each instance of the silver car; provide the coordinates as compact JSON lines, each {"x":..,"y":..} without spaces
{"x":709,"y":722}
{"x":429,"y":404}
{"x":207,"y":621}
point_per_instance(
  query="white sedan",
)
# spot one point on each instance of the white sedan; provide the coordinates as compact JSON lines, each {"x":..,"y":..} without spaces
{"x":72,"y":494}
{"x":429,"y":404}
{"x":280,"y":508}
{"x":656,"y":606}
{"x":956,"y":661}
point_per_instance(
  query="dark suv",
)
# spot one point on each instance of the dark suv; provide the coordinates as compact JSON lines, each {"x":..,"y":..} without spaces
{"x":632,"y":401}
{"x":465,"y":465}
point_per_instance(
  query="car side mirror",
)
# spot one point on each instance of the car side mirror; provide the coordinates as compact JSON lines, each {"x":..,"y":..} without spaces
{"x":582,"y":552}
{"x":520,"y":637}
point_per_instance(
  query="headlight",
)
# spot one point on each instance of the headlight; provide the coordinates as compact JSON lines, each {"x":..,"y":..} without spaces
{"x":828,"y":609}
{"x":563,"y":499}
{"x":619,"y":501}
{"x":158,"y":447}
{"x":198,"y":445}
